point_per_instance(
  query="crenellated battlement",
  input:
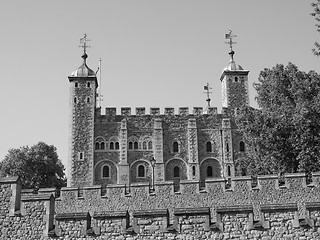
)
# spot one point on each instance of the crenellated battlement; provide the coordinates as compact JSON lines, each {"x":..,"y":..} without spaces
{"x":221,"y":207}
{"x":154,"y":111}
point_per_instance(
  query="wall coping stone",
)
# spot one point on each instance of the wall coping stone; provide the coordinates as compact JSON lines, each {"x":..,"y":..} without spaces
{"x":8,"y":180}
{"x":110,"y":214}
{"x":294,"y":175}
{"x":69,"y":189}
{"x":140,"y":184}
{"x":92,"y":187}
{"x":189,"y":182}
{"x":79,"y":216}
{"x":151,"y":213}
{"x":276,"y":207}
{"x":116,"y":186}
{"x":234,"y":208}
{"x":267,"y":177}
{"x":36,"y":197}
{"x":241,"y":178}
{"x":192,"y":211}
{"x":213,"y":180}
{"x":312,"y":205}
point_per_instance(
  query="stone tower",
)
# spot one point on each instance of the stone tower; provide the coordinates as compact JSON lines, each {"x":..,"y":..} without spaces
{"x":83,"y":86}
{"x":234,"y":81}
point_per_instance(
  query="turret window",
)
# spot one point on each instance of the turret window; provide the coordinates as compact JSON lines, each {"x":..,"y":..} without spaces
{"x":175,"y":147}
{"x":81,"y":156}
{"x":209,"y":147}
{"x":76,"y":84}
{"x":75,"y":100}
{"x":242,"y":146}
{"x":88,"y":100}
{"x":209,"y":171}
{"x":176,"y":172}
{"x":236,"y":79}
{"x":88,"y":84}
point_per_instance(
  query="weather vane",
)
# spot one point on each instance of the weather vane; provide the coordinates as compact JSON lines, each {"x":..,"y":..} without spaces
{"x":207,"y":91}
{"x":230,"y":36}
{"x":84,"y":41}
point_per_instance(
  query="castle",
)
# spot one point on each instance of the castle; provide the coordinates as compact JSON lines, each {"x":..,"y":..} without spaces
{"x":127,"y":148}
{"x":160,"y":176}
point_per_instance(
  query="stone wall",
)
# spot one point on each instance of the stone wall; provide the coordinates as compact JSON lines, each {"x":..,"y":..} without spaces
{"x":219,"y":210}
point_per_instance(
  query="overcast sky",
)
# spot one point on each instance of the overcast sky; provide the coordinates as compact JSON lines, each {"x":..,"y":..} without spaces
{"x":154,"y":54}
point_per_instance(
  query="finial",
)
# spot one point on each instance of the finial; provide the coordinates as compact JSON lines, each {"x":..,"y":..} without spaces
{"x":230,"y":36}
{"x":85,"y":45}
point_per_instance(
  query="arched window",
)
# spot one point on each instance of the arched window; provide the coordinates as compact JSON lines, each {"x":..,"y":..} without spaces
{"x":135,"y":145}
{"x":75,"y":100}
{"x":236,"y":79}
{"x":141,"y":171}
{"x":209,"y":147}
{"x":88,"y":100}
{"x":229,"y":171}
{"x":150,"y":145}
{"x":209,"y":171}
{"x":111,"y":146}
{"x":144,"y":145}
{"x":81,"y":156}
{"x":117,"y":145}
{"x":76,"y":84}
{"x":102,"y":145}
{"x":97,"y":145}
{"x":242,"y":146}
{"x":130,"y":145}
{"x":193,"y":170}
{"x":227,"y":146}
{"x":176,"y":171}
{"x":175,"y":147}
{"x":105,"y":171}
{"x":88,"y":84}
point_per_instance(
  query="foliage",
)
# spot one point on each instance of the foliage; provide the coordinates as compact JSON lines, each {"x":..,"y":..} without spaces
{"x":284,"y":134}
{"x":316,"y":15}
{"x":37,"y":166}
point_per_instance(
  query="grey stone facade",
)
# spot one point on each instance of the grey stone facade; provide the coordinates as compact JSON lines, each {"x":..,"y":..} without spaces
{"x":117,"y":149}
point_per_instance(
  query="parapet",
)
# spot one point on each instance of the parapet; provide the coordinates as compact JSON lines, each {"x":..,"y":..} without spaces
{"x":155,"y":111}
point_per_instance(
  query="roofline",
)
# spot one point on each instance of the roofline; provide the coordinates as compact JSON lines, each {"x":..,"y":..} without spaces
{"x":233,"y":72}
{"x":73,"y":78}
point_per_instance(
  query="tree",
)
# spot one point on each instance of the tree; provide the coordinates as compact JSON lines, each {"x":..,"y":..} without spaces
{"x":316,"y":15}
{"x":284,"y":134}
{"x":37,"y":166}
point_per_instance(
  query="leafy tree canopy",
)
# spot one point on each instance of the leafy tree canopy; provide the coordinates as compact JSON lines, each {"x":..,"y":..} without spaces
{"x":37,"y":166}
{"x":316,"y":15}
{"x":284,"y":134}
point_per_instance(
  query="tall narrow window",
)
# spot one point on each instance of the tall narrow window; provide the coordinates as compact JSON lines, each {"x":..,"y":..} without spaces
{"x":229,"y":171}
{"x":81,"y":156}
{"x":209,"y":171}
{"x":117,"y":145}
{"x":227,"y":146}
{"x":209,"y":147}
{"x":105,"y":171}
{"x":135,"y":145}
{"x":97,"y":146}
{"x":176,"y":171}
{"x":193,"y":170}
{"x":236,"y":79}
{"x":88,"y":84}
{"x":150,"y":145}
{"x":242,"y":146}
{"x":141,"y":171}
{"x":175,"y":147}
{"x":130,"y":145}
{"x":102,"y":145}
{"x":75,"y":99}
{"x":88,"y":100}
{"x":111,"y":146}
{"x":76,"y":84}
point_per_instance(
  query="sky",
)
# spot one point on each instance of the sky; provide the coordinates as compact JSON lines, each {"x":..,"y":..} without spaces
{"x":154,"y":53}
